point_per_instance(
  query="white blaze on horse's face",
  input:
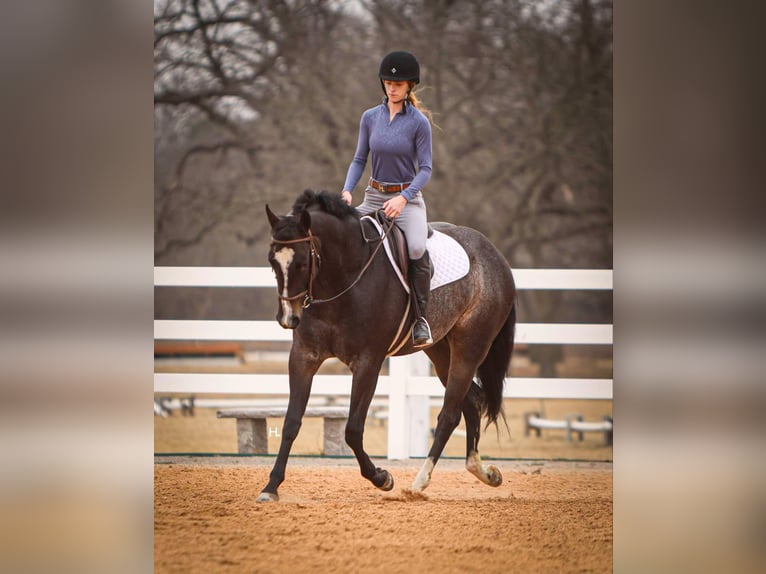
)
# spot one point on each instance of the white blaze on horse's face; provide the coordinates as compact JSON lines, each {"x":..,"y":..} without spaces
{"x":284,"y":258}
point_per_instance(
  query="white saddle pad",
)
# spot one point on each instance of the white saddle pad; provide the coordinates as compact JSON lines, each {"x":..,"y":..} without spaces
{"x":449,"y":259}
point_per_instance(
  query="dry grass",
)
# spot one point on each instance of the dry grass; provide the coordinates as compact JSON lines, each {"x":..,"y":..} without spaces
{"x":206,"y":433}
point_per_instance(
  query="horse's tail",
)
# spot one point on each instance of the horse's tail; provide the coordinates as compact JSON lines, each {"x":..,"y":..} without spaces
{"x":492,"y":371}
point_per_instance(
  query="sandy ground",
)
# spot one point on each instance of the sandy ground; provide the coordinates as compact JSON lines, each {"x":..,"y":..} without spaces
{"x":545,"y":517}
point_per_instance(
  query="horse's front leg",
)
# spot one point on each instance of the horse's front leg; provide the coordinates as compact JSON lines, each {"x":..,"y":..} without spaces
{"x":365,"y":379}
{"x":303,"y":364}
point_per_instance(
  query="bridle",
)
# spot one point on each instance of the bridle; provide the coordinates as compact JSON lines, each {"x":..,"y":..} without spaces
{"x":315,"y":260}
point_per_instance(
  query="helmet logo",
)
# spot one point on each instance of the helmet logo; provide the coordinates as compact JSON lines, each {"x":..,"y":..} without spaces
{"x":393,"y":70}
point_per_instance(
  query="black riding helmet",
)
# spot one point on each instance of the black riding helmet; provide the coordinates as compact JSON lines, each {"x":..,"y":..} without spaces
{"x":399,"y":67}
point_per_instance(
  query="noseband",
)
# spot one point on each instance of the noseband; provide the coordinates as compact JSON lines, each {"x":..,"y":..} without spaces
{"x":315,"y":260}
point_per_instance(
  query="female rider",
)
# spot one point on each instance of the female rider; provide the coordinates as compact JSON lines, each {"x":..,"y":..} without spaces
{"x":398,"y":133}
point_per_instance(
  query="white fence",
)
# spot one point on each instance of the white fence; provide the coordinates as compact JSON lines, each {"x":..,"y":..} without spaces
{"x":408,"y":386}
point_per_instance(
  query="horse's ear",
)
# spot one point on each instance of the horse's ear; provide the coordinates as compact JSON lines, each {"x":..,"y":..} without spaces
{"x":305,"y":220}
{"x":273,"y":219}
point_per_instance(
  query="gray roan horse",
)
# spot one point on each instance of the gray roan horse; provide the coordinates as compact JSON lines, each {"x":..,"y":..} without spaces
{"x":343,"y":299}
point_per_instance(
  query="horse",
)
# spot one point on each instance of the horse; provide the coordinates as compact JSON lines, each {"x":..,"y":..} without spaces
{"x":342,"y":298}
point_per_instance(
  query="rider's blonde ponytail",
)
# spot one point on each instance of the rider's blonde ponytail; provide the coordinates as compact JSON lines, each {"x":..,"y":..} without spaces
{"x":415,"y":101}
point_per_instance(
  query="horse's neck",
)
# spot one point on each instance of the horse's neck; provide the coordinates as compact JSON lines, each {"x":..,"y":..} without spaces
{"x":342,"y":250}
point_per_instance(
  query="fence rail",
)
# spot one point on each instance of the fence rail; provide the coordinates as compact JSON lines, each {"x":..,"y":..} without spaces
{"x":532,"y":333}
{"x":260,"y":384}
{"x":407,"y":387}
{"x":558,"y":279}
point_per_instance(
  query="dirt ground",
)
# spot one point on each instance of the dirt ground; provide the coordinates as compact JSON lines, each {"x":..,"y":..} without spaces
{"x":545,"y":517}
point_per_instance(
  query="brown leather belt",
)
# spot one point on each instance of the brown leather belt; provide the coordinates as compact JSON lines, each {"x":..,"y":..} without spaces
{"x":388,"y":187}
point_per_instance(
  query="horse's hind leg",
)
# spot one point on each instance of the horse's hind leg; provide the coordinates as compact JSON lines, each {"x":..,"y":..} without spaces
{"x":440,"y":357}
{"x":460,"y":368}
{"x":472,"y":405}
{"x":471,"y":408}
{"x":460,"y":361}
{"x":447,"y":421}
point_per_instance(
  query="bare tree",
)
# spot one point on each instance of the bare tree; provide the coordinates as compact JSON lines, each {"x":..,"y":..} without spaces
{"x":522,"y":92}
{"x":256,"y":100}
{"x":219,"y":67}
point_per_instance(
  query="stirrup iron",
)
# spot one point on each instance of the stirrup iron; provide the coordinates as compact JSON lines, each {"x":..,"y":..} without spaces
{"x":424,"y":329}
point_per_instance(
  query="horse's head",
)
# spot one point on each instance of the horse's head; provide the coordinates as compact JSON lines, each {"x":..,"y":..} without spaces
{"x":293,"y":257}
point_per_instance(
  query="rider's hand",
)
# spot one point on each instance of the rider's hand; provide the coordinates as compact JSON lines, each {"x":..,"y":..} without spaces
{"x":346,"y":195}
{"x":393,"y":207}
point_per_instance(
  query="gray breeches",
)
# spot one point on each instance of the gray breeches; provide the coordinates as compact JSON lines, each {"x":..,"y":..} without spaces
{"x":412,"y":220}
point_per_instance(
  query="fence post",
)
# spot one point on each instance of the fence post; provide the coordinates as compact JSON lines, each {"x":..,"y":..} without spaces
{"x":418,"y":409}
{"x":398,"y":441}
{"x":609,"y":434}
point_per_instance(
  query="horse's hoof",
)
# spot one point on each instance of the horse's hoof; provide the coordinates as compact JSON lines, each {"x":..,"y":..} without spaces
{"x":494,"y":475}
{"x":267,"y":497}
{"x":388,"y":484}
{"x":423,"y":479}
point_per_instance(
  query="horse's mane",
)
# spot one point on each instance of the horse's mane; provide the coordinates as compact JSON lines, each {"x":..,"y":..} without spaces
{"x":330,"y":203}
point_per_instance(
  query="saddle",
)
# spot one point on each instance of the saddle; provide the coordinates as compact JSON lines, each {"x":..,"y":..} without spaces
{"x":397,"y":241}
{"x":455,"y":263}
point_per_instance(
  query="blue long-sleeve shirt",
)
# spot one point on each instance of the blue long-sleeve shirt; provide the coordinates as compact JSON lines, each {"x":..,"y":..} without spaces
{"x":401,"y":148}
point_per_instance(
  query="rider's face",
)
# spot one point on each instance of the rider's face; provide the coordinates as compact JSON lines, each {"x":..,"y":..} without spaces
{"x":396,"y":91}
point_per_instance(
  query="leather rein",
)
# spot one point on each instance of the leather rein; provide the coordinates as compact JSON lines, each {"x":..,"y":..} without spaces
{"x":315,"y":260}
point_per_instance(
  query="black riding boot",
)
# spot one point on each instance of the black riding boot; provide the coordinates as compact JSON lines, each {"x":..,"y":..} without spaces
{"x":420,"y":281}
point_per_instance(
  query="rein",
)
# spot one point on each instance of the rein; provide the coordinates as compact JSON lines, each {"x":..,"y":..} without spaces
{"x":315,"y":260}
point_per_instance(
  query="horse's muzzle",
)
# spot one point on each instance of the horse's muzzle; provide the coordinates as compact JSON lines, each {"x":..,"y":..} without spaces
{"x":291,"y":322}
{"x":288,"y":318}
{"x":289,"y":312}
